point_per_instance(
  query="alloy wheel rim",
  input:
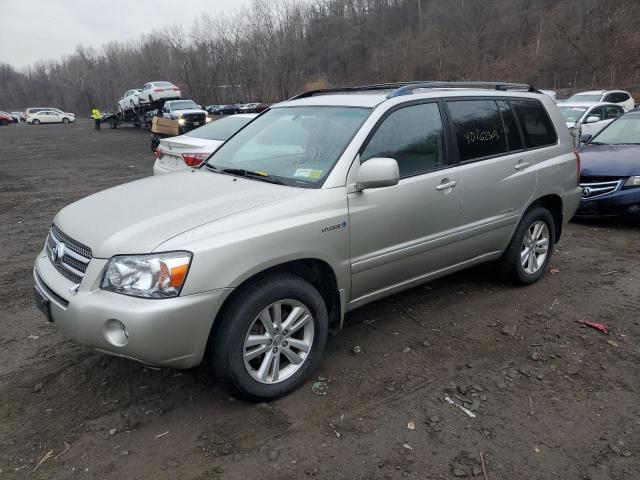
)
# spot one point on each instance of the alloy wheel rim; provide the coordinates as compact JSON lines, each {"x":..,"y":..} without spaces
{"x":278,"y":341}
{"x":535,"y":247}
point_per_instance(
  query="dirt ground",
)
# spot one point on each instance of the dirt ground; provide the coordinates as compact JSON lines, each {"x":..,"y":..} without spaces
{"x":552,"y":399}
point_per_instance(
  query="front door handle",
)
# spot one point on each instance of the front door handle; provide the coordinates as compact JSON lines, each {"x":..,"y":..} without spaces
{"x":446,"y":185}
{"x":521,"y":165}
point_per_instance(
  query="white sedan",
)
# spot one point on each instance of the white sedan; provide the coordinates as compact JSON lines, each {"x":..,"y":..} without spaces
{"x":178,"y":154}
{"x":129,"y":100}
{"x":50,"y":116}
{"x":154,"y":91}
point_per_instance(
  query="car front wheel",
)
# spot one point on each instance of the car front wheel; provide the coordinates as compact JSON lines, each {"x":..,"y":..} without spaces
{"x":271,"y":337}
{"x":529,"y":252}
{"x":65,"y":120}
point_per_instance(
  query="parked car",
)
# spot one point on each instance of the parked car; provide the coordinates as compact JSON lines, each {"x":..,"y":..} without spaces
{"x":552,"y":94}
{"x":211,"y":108}
{"x":588,"y":118}
{"x":155,"y":91}
{"x":6,"y":119}
{"x":49,"y":116}
{"x":253,"y":108}
{"x":32,"y":110}
{"x":129,"y":100}
{"x":619,"y":97}
{"x":226,"y":110}
{"x":320,"y":205}
{"x":176,"y":154}
{"x":610,"y":178}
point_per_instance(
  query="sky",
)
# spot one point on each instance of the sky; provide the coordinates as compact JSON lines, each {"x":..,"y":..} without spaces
{"x":34,"y":30}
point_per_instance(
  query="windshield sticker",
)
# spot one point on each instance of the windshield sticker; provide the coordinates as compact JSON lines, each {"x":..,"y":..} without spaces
{"x":308,"y":173}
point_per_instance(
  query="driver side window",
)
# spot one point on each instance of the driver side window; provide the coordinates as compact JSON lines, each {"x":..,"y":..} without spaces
{"x":413,"y":136}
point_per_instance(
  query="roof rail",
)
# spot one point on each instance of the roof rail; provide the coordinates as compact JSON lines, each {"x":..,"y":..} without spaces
{"x":363,"y":88}
{"x":502,"y":86}
{"x":407,"y":88}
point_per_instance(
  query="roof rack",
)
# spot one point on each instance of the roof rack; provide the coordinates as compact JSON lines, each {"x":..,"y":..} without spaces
{"x":502,"y":86}
{"x":407,"y":88}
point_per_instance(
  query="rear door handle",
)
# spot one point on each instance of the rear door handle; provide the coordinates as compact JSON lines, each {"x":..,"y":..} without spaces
{"x":447,"y":185}
{"x":521,"y":165}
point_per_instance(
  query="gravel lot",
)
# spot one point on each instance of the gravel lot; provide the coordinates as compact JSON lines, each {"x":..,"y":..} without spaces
{"x":553,"y":399}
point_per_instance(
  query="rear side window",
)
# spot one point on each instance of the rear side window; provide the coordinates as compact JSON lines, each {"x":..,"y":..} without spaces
{"x":514,"y":140}
{"x":616,"y":97}
{"x":413,"y":136}
{"x":613,"y":112}
{"x":535,"y":123}
{"x":478,"y":128}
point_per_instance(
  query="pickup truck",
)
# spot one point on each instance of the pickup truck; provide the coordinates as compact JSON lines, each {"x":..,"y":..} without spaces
{"x":188,"y":113}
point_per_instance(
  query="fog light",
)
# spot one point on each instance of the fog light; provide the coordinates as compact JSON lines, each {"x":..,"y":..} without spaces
{"x":116,"y":333}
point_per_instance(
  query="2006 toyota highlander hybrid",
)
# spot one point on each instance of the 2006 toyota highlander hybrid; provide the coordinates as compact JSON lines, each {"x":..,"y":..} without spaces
{"x":321,"y":204}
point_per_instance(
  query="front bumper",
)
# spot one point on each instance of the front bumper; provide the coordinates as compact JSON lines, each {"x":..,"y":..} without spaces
{"x":170,"y":332}
{"x":626,"y":200}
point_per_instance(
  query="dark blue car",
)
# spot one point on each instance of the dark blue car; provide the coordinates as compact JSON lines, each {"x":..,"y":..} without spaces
{"x":610,"y":177}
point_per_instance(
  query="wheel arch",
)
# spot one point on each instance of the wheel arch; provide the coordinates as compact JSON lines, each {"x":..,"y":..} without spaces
{"x":553,"y":203}
{"x":315,"y":271}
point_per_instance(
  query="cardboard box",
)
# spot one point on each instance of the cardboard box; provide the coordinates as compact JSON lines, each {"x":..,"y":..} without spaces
{"x":165,"y":126}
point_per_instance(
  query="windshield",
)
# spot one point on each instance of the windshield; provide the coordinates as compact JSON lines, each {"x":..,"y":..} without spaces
{"x":220,"y":129}
{"x":297,"y":145}
{"x":184,"y":105}
{"x":572,"y":114}
{"x":624,"y":131}
{"x":584,"y":98}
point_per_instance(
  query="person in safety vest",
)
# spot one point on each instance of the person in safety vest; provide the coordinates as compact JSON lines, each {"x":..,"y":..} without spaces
{"x":95,"y":113}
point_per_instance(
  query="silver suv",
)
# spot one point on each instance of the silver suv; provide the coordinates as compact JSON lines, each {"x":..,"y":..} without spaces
{"x":323,"y":203}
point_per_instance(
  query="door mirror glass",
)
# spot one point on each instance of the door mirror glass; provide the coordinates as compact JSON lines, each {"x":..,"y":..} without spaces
{"x":377,"y":173}
{"x":592,"y":119}
{"x":585,"y":138}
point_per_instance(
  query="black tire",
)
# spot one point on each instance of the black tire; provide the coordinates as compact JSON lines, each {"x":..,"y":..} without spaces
{"x":36,"y":122}
{"x":510,"y":261}
{"x":226,"y":347}
{"x":4,"y":122}
{"x":65,"y":120}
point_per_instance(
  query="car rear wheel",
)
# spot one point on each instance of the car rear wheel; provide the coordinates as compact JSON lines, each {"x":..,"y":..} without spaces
{"x":4,"y":122}
{"x":528,"y":255}
{"x":270,"y":337}
{"x":36,"y":121}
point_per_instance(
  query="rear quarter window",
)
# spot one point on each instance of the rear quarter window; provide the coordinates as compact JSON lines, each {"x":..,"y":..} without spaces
{"x":536,"y":125}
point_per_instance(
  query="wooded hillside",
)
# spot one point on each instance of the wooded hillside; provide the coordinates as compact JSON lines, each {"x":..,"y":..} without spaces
{"x":274,"y":49}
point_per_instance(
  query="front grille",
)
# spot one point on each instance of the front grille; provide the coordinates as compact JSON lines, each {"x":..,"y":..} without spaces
{"x":68,"y":256}
{"x":593,"y":189}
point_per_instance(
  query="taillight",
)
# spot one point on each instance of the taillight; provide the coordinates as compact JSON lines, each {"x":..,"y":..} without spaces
{"x":158,"y":89}
{"x":159,"y":153}
{"x":194,"y":159}
{"x":579,"y":165}
{"x":176,"y":89}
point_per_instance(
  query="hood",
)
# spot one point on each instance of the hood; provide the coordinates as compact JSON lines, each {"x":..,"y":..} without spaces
{"x":610,"y":160}
{"x":185,"y":144}
{"x":189,"y":111}
{"x":138,"y":216}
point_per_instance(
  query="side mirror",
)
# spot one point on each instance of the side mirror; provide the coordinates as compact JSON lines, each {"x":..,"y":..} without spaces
{"x":592,"y":119}
{"x":585,"y":138}
{"x":377,"y":173}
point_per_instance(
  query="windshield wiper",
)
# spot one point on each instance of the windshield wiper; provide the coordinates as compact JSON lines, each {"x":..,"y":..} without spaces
{"x":262,"y":176}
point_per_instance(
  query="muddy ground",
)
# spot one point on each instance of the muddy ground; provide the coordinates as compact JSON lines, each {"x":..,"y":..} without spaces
{"x":553,"y":399}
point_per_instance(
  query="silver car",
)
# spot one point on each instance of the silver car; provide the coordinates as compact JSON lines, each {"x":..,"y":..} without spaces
{"x":322,"y":204}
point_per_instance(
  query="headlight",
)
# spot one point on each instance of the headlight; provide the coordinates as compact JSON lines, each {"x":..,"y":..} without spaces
{"x":158,"y":275}
{"x":209,"y":119}
{"x":181,"y":121}
{"x":632,"y":182}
